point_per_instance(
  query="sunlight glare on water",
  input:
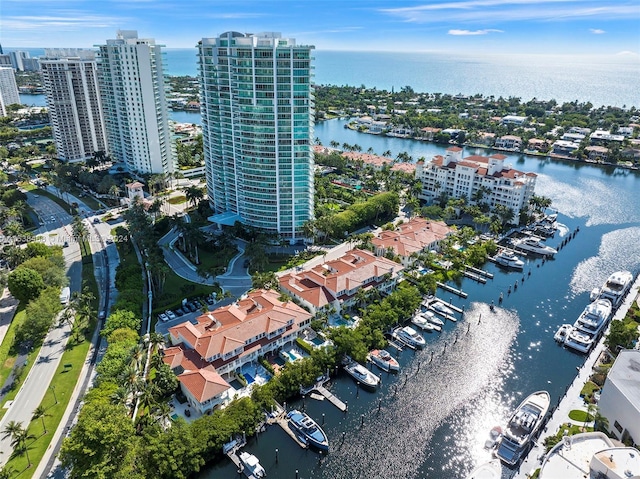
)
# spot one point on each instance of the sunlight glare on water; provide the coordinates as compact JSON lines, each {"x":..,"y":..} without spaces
{"x":392,"y":442}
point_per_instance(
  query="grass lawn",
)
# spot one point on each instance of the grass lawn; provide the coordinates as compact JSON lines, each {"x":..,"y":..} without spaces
{"x":580,"y":416}
{"x":176,"y":289}
{"x":6,"y":360}
{"x":177,"y":200}
{"x":59,"y":392}
{"x":210,"y":260}
{"x":87,"y":199}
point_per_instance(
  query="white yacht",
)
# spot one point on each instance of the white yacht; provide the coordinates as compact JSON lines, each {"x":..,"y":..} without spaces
{"x":533,"y":245}
{"x":409,"y":336}
{"x":361,"y":374}
{"x":422,"y":322}
{"x":252,"y":466}
{"x":523,"y":425}
{"x":383,"y":359}
{"x":562,"y":332}
{"x":432,"y":318}
{"x":616,"y":287}
{"x":440,"y":308}
{"x":579,"y":341}
{"x":509,"y":259}
{"x":488,"y":470}
{"x":594,"y":317}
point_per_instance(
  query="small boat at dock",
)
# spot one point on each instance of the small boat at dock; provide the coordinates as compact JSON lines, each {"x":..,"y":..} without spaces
{"x":383,"y":359}
{"x":488,"y":470}
{"x":362,"y":375}
{"x":440,"y":308}
{"x":422,"y":322}
{"x":409,"y":336}
{"x":533,"y":244}
{"x":562,"y":333}
{"x":307,"y":429}
{"x":252,"y":466}
{"x":508,"y":259}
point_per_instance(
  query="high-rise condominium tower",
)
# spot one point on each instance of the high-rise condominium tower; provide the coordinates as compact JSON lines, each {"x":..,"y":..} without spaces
{"x":134,"y":103}
{"x":70,"y":82}
{"x":257,"y":107}
{"x":8,"y":89}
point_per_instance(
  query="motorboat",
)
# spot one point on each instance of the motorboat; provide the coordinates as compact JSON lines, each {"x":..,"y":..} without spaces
{"x":488,"y":470}
{"x":440,"y":308}
{"x":494,"y":436}
{"x":533,"y":244}
{"x":509,"y":259}
{"x":615,"y":288}
{"x":252,"y":466}
{"x":523,"y":425}
{"x":562,"y":332}
{"x":308,"y":429}
{"x":383,"y":359}
{"x":432,"y":318}
{"x":422,"y":322}
{"x":594,"y":317}
{"x":362,"y":375}
{"x":409,"y":336}
{"x":579,"y":341}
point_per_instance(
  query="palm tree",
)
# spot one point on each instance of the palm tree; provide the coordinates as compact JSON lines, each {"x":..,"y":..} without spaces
{"x":194,"y":195}
{"x":40,"y":412}
{"x":591,"y":410}
{"x":19,"y":437}
{"x":6,"y":472}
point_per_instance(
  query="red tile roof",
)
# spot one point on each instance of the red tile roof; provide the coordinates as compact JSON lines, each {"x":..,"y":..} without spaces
{"x":203,"y":384}
{"x":412,"y":237}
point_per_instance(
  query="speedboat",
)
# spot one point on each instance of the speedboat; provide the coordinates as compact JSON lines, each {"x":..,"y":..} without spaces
{"x":384,"y":360}
{"x":409,"y":336}
{"x":307,"y":428}
{"x":534,"y":245}
{"x":509,"y":259}
{"x":594,"y":317}
{"x":362,"y":375}
{"x":523,"y":425}
{"x":562,"y":332}
{"x":440,"y":308}
{"x":579,"y":341}
{"x":422,"y":322}
{"x":488,"y":470}
{"x":615,"y":288}
{"x":252,"y":466}
{"x":432,"y":318}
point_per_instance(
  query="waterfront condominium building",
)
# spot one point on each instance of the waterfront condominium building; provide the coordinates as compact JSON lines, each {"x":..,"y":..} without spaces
{"x":8,"y":89}
{"x":257,"y":106}
{"x":134,"y":105}
{"x":477,"y":178}
{"x":70,"y":82}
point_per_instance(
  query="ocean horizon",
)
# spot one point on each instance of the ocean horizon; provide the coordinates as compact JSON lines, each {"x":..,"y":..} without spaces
{"x":601,"y":80}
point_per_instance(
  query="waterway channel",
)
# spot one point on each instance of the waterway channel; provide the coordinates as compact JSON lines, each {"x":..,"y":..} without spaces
{"x":436,"y":425}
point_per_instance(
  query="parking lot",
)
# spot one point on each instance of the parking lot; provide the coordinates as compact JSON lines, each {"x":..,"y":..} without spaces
{"x":189,"y":312}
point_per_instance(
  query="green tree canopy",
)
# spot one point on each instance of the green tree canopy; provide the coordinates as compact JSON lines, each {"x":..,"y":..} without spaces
{"x":25,"y":284}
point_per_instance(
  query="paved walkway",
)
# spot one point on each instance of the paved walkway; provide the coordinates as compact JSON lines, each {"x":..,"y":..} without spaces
{"x":8,"y":305}
{"x":572,"y":400}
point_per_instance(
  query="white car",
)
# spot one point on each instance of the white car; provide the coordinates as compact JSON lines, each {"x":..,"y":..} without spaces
{"x":162,"y":317}
{"x":170,"y":314}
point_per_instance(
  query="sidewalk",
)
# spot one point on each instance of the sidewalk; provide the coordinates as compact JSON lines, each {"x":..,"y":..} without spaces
{"x":8,"y":305}
{"x":572,"y":400}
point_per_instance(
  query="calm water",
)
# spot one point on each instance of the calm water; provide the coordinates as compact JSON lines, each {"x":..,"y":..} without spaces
{"x":436,"y":425}
{"x":559,"y":77}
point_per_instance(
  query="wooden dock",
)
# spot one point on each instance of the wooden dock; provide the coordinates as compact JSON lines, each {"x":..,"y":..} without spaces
{"x":283,"y":422}
{"x":331,"y":398}
{"x":451,"y":289}
{"x":446,"y":316}
{"x":427,"y":304}
{"x":233,"y":455}
{"x":475,"y":277}
{"x":480,"y":272}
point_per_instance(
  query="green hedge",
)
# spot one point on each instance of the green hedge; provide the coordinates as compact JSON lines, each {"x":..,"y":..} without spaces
{"x":305,"y":346}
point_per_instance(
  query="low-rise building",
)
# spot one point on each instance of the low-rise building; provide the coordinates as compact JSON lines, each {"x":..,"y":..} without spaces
{"x":538,"y":144}
{"x":509,"y":142}
{"x":564,"y":148}
{"x":513,"y":120}
{"x":620,"y":397}
{"x":415,"y":236}
{"x":602,"y":136}
{"x":486,"y":138}
{"x":212,"y":350}
{"x":428,"y":132}
{"x":590,"y":455}
{"x":597,"y":153}
{"x":477,"y":178}
{"x":334,"y":284}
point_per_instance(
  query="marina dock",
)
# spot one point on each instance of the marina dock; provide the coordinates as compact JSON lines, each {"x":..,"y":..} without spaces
{"x":480,"y":272}
{"x":427,"y":304}
{"x":451,"y":289}
{"x":232,"y":453}
{"x":331,"y":398}
{"x":283,"y":422}
{"x":475,"y":277}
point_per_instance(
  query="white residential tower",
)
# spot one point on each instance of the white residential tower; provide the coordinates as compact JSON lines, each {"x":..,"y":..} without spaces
{"x":8,"y":89}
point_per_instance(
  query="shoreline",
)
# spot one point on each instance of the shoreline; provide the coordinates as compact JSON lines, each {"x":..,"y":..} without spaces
{"x":529,"y":153}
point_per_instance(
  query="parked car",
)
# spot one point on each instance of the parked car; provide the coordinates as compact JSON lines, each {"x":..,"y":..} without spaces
{"x":209,"y":300}
{"x":162,"y":317}
{"x":170,"y":314}
{"x":96,"y":221}
{"x":197,"y":303}
{"x":191,"y":306}
{"x":179,"y":311}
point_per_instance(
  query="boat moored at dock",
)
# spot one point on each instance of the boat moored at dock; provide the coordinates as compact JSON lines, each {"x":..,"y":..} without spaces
{"x":422,"y":322}
{"x":252,"y":466}
{"x":615,"y":288}
{"x":409,"y":336}
{"x":308,"y":430}
{"x":523,"y":425}
{"x":562,"y":332}
{"x":488,"y":470}
{"x":533,"y":244}
{"x":579,"y":340}
{"x":383,"y":359}
{"x":508,"y":259}
{"x":362,"y":375}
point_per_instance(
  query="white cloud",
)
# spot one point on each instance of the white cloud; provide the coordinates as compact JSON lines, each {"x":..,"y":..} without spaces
{"x":474,"y":32}
{"x":513,"y":10}
{"x":72,"y":21}
{"x":596,"y":31}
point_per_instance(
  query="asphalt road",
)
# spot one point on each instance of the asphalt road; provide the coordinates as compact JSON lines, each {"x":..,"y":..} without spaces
{"x":55,"y":229}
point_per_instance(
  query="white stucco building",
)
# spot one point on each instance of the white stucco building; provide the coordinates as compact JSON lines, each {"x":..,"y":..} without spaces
{"x":70,"y":81}
{"x":8,"y":89}
{"x":620,"y":397}
{"x":459,"y":177}
{"x":134,"y":104}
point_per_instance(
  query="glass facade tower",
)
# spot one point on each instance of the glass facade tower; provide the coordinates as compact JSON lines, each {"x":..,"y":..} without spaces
{"x":257,"y":104}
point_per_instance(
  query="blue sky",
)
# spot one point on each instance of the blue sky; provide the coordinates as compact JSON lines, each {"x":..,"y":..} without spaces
{"x":610,"y":27}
